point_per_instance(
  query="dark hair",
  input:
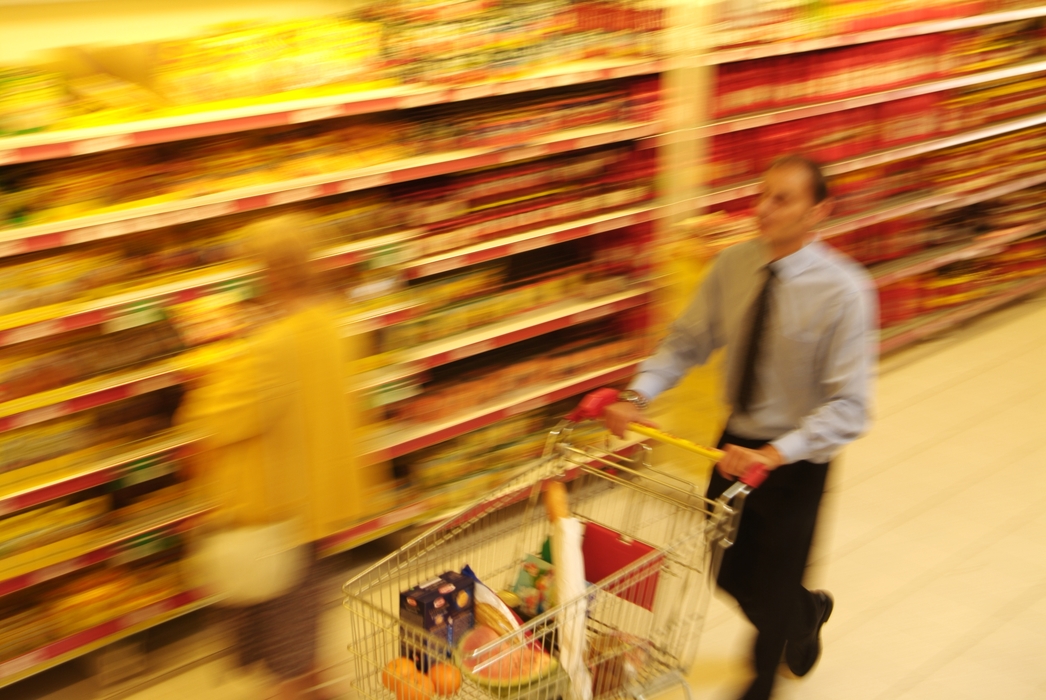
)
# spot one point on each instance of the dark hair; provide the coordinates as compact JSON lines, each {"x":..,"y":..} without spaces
{"x":818,"y":184}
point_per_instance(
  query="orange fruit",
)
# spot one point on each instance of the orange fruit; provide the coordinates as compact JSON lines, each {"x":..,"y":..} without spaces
{"x":446,"y":679}
{"x":417,"y":688}
{"x":397,"y":672}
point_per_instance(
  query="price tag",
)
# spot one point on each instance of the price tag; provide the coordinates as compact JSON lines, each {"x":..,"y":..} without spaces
{"x":103,"y":143}
{"x":422,"y":99}
{"x":144,"y":546}
{"x":23,"y":663}
{"x":34,"y":332}
{"x":313,"y":114}
{"x":296,"y":195}
{"x":474,"y":93}
{"x":528,"y":244}
{"x":592,"y":314}
{"x":526,"y":406}
{"x":147,"y":386}
{"x":52,"y":572}
{"x":366,"y":182}
{"x":470,"y":350}
{"x":9,"y":248}
{"x":39,"y":415}
{"x":436,"y":268}
{"x":524,"y":153}
{"x":143,"y":470}
{"x":133,"y":316}
{"x":386,"y":256}
{"x":590,"y":141}
{"x":145,"y":614}
{"x":237,"y":291}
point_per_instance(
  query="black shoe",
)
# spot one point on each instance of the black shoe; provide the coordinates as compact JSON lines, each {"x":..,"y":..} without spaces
{"x":801,"y":655}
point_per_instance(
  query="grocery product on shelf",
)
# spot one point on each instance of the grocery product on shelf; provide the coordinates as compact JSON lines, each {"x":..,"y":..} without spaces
{"x":59,"y":190}
{"x":33,"y":368}
{"x":381,"y":45}
{"x":30,"y":99}
{"x":268,"y":59}
{"x":466,"y":42}
{"x":479,"y":381}
{"x":49,"y":523}
{"x":743,"y":23}
{"x":88,"y":599}
{"x":93,"y":184}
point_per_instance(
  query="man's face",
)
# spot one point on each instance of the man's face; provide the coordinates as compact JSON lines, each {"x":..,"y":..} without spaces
{"x":786,"y":210}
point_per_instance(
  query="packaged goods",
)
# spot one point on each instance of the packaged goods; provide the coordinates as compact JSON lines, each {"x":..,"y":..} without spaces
{"x":260,"y":60}
{"x":42,"y":526}
{"x":30,"y":100}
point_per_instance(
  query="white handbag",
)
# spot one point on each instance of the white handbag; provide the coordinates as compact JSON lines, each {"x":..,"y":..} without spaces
{"x":248,"y":565}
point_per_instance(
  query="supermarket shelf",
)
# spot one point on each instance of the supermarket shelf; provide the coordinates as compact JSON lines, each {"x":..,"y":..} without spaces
{"x":389,"y":249}
{"x":518,"y":327}
{"x":425,"y":511}
{"x":405,"y":439}
{"x":89,"y":640}
{"x":943,"y":202}
{"x":987,"y":244}
{"x":891,"y":155}
{"x":915,"y":29}
{"x":932,"y":324}
{"x":145,"y":461}
{"x":88,"y":394}
{"x":134,"y":308}
{"x":759,"y":119}
{"x":386,"y":524}
{"x":63,"y":144}
{"x":530,"y":240}
{"x":102,"y":226}
{"x":958,"y":202}
{"x":123,"y":543}
{"x":377,"y":319}
{"x":121,"y":311}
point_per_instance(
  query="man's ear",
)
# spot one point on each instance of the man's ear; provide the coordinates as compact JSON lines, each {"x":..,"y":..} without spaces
{"x":821,"y":211}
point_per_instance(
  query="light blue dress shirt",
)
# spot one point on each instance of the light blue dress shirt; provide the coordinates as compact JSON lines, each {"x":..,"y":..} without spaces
{"x":819,"y":351}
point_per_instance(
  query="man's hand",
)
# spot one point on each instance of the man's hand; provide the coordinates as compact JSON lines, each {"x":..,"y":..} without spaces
{"x":738,"y":460}
{"x":618,"y":415}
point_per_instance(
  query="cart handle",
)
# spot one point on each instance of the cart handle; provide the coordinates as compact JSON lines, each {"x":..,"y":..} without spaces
{"x":594,"y":405}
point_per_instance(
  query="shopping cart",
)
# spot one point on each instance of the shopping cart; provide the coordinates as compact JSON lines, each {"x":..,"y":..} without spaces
{"x":652,"y":547}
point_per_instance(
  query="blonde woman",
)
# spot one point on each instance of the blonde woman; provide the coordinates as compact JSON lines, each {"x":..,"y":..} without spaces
{"x":280,"y":445}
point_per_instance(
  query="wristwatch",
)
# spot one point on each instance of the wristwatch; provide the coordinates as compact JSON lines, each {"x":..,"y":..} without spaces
{"x":634,"y":398}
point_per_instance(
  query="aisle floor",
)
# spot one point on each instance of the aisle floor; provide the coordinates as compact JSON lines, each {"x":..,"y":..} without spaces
{"x":933,"y":542}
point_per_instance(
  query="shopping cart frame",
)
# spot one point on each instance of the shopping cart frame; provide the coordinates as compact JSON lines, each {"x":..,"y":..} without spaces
{"x":643,"y":621}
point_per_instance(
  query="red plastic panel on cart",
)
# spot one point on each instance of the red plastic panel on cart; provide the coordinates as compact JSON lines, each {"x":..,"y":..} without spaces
{"x":606,"y":552}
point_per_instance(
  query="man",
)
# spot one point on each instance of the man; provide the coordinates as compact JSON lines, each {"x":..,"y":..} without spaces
{"x":799,"y":323}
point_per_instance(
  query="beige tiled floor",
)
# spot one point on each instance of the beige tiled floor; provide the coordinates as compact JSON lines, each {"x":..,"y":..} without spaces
{"x":933,"y":541}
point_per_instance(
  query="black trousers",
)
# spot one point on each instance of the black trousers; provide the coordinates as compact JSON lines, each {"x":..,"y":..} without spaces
{"x":764,"y":568}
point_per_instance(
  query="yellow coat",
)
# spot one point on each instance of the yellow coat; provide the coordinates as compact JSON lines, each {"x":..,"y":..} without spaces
{"x":281,"y":434}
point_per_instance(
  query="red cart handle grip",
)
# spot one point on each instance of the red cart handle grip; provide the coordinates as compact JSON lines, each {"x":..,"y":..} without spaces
{"x":755,"y":475}
{"x":593,"y":405}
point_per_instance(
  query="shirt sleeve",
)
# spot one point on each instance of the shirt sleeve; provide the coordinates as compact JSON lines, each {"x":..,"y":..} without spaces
{"x":847,"y":383}
{"x":690,"y":341}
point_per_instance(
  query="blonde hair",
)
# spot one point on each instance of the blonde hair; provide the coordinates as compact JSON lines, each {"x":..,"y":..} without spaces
{"x":283,"y":245}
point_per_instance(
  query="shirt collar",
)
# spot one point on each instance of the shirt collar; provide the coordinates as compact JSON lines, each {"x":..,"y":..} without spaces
{"x":795,"y":264}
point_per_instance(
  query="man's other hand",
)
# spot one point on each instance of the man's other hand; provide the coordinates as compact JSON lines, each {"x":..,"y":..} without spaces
{"x":618,"y":415}
{"x":737,"y":460}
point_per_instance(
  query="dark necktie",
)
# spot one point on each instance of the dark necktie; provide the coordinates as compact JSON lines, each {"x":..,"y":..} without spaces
{"x":760,"y":310}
